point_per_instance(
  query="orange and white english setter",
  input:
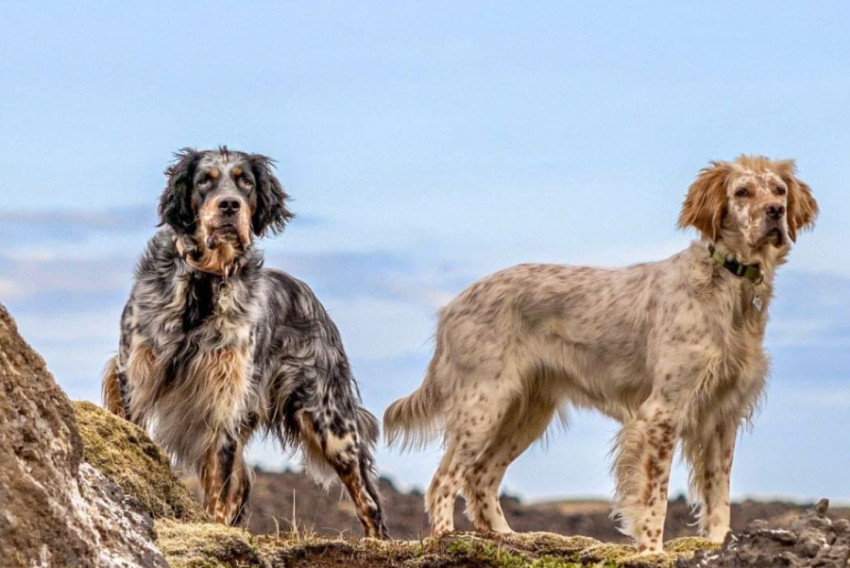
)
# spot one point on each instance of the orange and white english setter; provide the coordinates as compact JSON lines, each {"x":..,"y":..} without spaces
{"x":671,"y":349}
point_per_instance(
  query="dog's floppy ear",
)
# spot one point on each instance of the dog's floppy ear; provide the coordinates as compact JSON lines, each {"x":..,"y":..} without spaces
{"x":271,"y":213}
{"x":175,"y":205}
{"x":705,"y":204}
{"x":802,"y":207}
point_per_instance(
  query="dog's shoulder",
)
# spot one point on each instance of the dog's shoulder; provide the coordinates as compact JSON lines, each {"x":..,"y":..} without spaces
{"x":293,"y":299}
{"x":283,"y":282}
{"x":157,"y":260}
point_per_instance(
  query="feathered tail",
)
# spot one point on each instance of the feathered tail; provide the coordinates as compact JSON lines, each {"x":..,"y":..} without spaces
{"x":415,"y":418}
{"x":111,"y":388}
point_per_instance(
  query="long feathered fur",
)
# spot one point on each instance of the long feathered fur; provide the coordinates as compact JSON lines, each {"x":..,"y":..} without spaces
{"x":215,"y":348}
{"x":414,"y":421}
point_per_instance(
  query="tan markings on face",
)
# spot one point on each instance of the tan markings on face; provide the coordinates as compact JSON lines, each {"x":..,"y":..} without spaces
{"x":237,"y":171}
{"x":749,"y":210}
{"x":214,"y":173}
{"x":207,"y":217}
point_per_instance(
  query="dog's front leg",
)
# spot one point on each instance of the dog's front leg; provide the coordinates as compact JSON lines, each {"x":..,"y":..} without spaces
{"x":644,"y":455}
{"x":210,"y":476}
{"x":226,"y":481}
{"x":710,"y":451}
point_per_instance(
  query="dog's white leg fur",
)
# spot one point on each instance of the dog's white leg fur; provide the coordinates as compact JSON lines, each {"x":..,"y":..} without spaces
{"x":714,"y":518}
{"x":470,"y":429}
{"x":645,"y":447}
{"x":518,"y":430}
{"x":710,"y":451}
{"x":440,"y":499}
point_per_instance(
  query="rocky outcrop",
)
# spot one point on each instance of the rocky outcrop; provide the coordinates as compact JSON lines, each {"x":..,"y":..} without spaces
{"x":813,"y":540}
{"x":56,"y":510}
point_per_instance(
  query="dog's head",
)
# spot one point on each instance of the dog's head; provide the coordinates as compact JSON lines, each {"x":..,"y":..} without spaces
{"x":223,"y":198}
{"x":750,"y":203}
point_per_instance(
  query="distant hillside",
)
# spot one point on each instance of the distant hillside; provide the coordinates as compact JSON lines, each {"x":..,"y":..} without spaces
{"x":331,"y":514}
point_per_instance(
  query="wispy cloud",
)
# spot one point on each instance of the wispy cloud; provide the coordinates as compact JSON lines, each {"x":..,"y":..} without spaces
{"x":73,"y":224}
{"x":375,"y":274}
{"x":23,"y":277}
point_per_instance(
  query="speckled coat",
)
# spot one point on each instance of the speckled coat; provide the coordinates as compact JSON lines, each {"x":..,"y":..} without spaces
{"x":671,"y":349}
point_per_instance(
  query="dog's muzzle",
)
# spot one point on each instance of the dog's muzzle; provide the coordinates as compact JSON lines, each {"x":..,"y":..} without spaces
{"x":227,"y":223}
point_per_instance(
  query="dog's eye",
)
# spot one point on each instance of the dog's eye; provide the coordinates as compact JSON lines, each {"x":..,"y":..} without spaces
{"x":742,"y":192}
{"x":246,"y":183}
{"x":780,"y":190}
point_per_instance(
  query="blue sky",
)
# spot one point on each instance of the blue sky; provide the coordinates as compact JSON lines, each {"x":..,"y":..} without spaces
{"x":426,"y":145}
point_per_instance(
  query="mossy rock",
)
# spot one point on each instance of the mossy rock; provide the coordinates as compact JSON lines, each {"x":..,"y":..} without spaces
{"x":207,"y":545}
{"x":548,"y":543}
{"x":129,"y":458}
{"x":625,"y":556}
{"x":533,"y":550}
{"x":689,"y":545}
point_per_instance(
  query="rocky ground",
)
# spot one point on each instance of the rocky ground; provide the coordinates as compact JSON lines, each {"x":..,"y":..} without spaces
{"x":281,"y":498}
{"x":82,"y":488}
{"x":813,"y":539}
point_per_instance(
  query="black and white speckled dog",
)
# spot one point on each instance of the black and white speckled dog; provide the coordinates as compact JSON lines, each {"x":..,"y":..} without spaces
{"x":214,"y":347}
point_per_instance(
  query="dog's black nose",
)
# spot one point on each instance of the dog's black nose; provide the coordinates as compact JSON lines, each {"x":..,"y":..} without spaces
{"x":228,"y":205}
{"x":775,"y":212}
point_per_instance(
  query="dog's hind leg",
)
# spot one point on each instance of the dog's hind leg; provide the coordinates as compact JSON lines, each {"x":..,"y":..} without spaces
{"x":442,"y":493}
{"x":521,"y":427}
{"x":340,"y":443}
{"x":470,"y":431}
{"x":369,"y":431}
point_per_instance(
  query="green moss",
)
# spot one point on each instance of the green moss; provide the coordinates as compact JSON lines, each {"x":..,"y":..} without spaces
{"x":689,"y":545}
{"x":541,"y":550}
{"x":622,"y":556}
{"x":127,"y":456}
{"x":549,"y":543}
{"x":534,"y":550}
{"x":607,"y":553}
{"x":204,"y":545}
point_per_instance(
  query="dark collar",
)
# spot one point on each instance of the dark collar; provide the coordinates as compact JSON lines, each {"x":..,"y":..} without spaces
{"x":751,"y":272}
